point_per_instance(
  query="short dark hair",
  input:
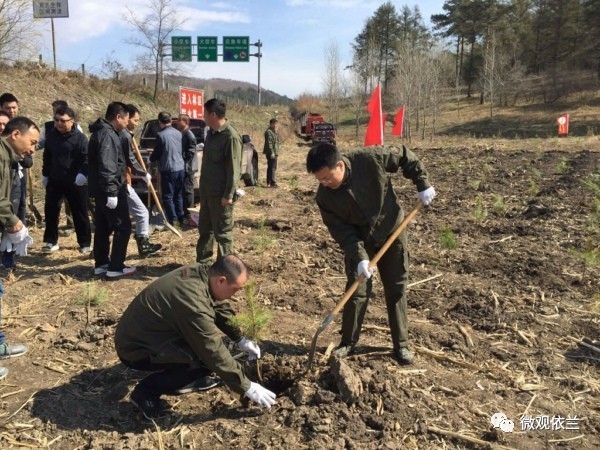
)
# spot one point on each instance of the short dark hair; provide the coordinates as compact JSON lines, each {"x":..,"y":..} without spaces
{"x":164,"y":117}
{"x":65,"y":111}
{"x":132,"y":109}
{"x":114,"y":109}
{"x":59,"y":104}
{"x":7,"y":97}
{"x":229,"y":266}
{"x":322,"y":155}
{"x":21,"y":123}
{"x":214,"y":105}
{"x":273,"y":121}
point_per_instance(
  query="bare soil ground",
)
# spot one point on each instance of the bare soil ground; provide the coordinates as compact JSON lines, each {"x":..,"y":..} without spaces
{"x":497,"y":330}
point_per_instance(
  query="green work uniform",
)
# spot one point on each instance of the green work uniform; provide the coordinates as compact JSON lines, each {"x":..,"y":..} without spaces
{"x":8,"y":158}
{"x":271,"y":146}
{"x":220,"y":172}
{"x":360,"y":215}
{"x":176,"y":320}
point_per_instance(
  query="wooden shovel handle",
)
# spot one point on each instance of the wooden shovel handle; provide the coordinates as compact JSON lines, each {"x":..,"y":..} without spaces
{"x":138,"y":155}
{"x":377,"y":257}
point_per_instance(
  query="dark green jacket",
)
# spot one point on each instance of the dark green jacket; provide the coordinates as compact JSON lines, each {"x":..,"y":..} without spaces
{"x":365,"y":207}
{"x":221,"y":162}
{"x":8,"y":158}
{"x":271,"y":143}
{"x":178,"y":310}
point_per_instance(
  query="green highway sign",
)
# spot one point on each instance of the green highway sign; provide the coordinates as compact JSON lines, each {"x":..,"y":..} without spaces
{"x":236,"y":48}
{"x":181,"y":48}
{"x":207,"y":48}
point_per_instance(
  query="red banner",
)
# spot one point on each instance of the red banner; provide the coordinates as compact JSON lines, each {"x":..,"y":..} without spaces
{"x":563,"y":124}
{"x":374,"y":134}
{"x":399,"y":122}
{"x":191,"y":102}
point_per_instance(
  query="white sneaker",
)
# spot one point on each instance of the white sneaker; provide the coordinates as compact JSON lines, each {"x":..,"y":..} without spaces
{"x":119,"y":273}
{"x":50,"y":247}
{"x":85,"y":250}
{"x":101,"y":270}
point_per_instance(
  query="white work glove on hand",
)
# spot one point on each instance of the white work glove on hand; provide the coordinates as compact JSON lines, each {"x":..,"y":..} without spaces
{"x":80,"y":179}
{"x":363,"y":268}
{"x":111,"y":202}
{"x":18,"y":236}
{"x":5,"y":244}
{"x":427,"y":195}
{"x":44,"y":182}
{"x":21,"y":248}
{"x":250,"y":347}
{"x":273,"y":156}
{"x":148,"y":179}
{"x":260,"y":395}
{"x":19,"y":240}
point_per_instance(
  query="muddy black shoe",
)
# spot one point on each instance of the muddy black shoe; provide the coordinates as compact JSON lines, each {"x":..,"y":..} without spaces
{"x":343,"y":350}
{"x":404,"y":356}
{"x":201,"y":384}
{"x":150,"y":404}
{"x":145,"y":247}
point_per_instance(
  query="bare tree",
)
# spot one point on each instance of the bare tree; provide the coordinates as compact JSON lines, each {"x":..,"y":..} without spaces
{"x":154,"y":28}
{"x":356,"y":97}
{"x":333,"y":81}
{"x":16,"y":28}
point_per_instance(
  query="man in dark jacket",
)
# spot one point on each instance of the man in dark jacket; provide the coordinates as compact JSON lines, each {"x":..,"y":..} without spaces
{"x":174,"y":328}
{"x":360,"y":209}
{"x":64,"y":175}
{"x":108,"y":185}
{"x":189,"y":148}
{"x":271,"y":152}
{"x":19,"y":139}
{"x":220,"y":172}
{"x":172,"y":168}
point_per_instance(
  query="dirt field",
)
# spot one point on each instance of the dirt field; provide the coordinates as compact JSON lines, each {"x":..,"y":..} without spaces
{"x":497,"y":330}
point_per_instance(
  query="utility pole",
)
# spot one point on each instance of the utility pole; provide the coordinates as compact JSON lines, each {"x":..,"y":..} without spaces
{"x":258,"y":55}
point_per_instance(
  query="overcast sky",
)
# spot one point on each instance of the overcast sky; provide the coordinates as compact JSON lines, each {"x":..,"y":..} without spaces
{"x":294,"y":34}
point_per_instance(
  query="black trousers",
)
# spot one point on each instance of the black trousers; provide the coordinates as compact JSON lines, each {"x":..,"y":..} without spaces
{"x":23,"y":201}
{"x":111,"y":221}
{"x":188,"y":193}
{"x":166,"y":377}
{"x":271,"y":169}
{"x":77,"y":199}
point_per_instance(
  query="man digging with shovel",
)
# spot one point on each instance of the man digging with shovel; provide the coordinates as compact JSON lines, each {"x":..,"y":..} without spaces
{"x":360,"y":209}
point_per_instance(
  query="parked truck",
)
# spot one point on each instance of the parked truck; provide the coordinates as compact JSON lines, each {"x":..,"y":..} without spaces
{"x":308,"y":122}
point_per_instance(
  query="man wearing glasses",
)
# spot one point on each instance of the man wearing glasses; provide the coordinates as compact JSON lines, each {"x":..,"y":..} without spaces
{"x":64,"y":176}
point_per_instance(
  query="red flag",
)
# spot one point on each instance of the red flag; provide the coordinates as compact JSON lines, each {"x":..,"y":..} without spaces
{"x":397,"y":130}
{"x":374,"y":134}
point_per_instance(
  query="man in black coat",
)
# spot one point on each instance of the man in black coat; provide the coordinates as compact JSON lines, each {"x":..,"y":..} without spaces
{"x":108,"y":185}
{"x":64,"y":175}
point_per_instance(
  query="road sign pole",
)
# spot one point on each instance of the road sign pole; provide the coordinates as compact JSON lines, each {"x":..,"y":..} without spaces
{"x":53,"y":42}
{"x":259,"y":56}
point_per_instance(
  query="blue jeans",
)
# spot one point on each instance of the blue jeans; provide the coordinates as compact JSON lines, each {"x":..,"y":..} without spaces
{"x":172,"y":194}
{"x":1,"y":294}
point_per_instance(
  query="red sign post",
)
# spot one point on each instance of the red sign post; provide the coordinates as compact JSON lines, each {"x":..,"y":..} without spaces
{"x":191,"y":102}
{"x":563,"y":124}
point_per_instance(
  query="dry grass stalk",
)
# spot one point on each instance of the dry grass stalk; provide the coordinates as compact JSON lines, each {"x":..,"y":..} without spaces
{"x":443,"y":357}
{"x":425,"y":280}
{"x":55,"y":368}
{"x":8,"y":394}
{"x":467,"y":438}
{"x":466,"y":335}
{"x":574,"y":438}
{"x":159,"y":439}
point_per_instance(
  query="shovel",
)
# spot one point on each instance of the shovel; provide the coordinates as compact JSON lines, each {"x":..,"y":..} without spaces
{"x":151,"y":188}
{"x":360,"y":279}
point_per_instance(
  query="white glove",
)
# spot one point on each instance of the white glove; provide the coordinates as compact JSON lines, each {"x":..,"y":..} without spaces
{"x":80,"y":179}
{"x":111,"y":202}
{"x":260,"y":395}
{"x":5,"y":244}
{"x":44,"y":182}
{"x":18,"y":236}
{"x":363,"y":268}
{"x":273,"y":156}
{"x":250,"y":347}
{"x":427,"y":195}
{"x":21,"y":248}
{"x":148,"y":179}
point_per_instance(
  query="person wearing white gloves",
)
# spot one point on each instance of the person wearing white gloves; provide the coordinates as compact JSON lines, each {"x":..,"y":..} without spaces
{"x":64,"y":177}
{"x":360,"y":209}
{"x":107,"y":183}
{"x":19,"y":138}
{"x":174,"y":329}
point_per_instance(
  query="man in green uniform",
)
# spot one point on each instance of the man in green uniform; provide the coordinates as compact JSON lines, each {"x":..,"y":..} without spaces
{"x":359,"y":207}
{"x":271,"y":151}
{"x":220,"y":172}
{"x":19,"y":139}
{"x":174,"y":326}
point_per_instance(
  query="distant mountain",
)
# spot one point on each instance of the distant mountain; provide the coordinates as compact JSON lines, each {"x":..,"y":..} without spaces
{"x":232,"y":91}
